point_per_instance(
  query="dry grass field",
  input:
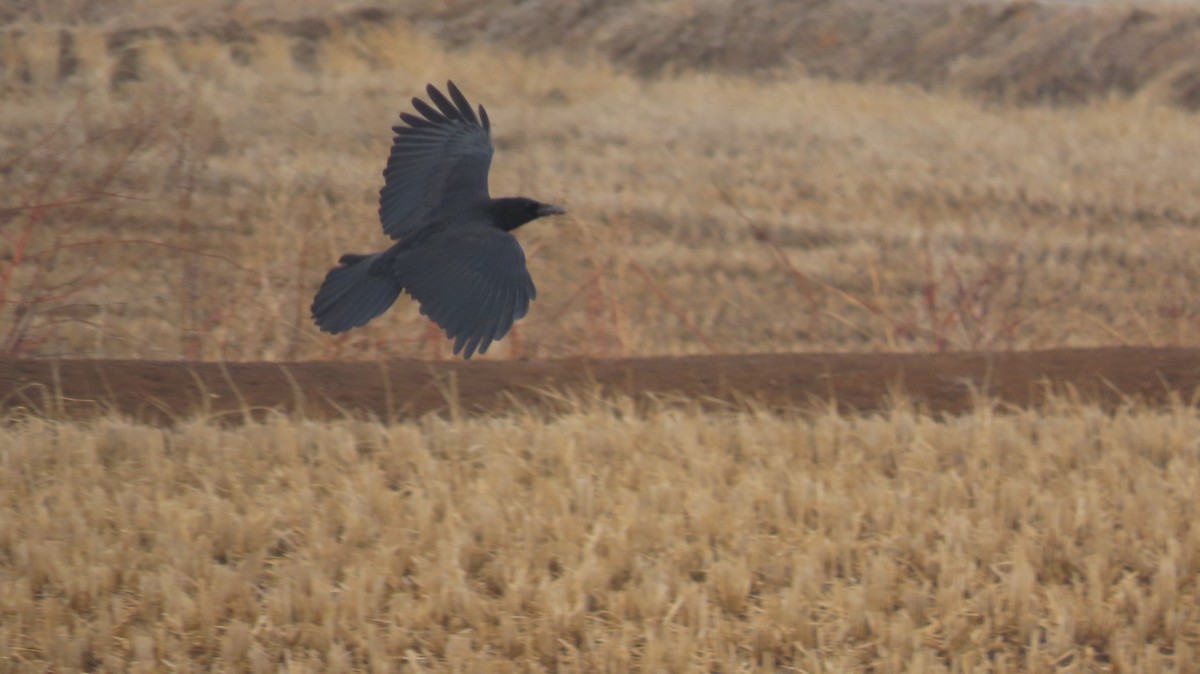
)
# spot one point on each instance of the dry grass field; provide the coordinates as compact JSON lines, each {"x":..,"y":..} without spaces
{"x":184,"y":198}
{"x":175,"y":179}
{"x":606,"y":541}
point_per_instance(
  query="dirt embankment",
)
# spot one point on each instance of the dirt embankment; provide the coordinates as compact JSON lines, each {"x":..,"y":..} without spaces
{"x":1024,"y":52}
{"x":157,"y":391}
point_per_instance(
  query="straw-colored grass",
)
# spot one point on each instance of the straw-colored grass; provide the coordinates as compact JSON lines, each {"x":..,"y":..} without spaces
{"x":707,"y":212}
{"x":603,"y":541}
{"x":187,"y":201}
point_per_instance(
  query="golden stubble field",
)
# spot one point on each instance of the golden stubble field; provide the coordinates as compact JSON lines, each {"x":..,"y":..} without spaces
{"x":183,"y":203}
{"x":606,"y":541}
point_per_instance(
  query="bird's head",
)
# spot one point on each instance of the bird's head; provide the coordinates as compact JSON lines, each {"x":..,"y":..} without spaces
{"x":512,"y":212}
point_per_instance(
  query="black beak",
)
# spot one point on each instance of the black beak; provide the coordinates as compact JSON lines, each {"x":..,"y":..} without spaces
{"x":549,"y":209}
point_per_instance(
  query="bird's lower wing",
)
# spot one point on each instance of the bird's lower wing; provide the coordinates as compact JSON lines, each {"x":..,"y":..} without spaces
{"x":471,"y":281}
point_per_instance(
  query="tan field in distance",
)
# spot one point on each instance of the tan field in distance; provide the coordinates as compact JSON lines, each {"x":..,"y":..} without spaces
{"x":178,"y":194}
{"x":708,"y":212}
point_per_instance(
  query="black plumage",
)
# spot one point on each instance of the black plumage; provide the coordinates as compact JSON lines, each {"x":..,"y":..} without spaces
{"x":454,"y":252}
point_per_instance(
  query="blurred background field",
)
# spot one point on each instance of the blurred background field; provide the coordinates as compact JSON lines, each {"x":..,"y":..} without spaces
{"x":742,"y":177}
{"x":179,"y":190}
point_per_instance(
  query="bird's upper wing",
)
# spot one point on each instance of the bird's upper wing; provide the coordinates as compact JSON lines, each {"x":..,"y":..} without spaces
{"x":439,"y":160}
{"x":471,"y":281}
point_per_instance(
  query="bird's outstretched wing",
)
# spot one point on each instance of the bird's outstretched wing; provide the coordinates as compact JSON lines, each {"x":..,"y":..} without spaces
{"x":439,"y":162}
{"x":471,"y":281}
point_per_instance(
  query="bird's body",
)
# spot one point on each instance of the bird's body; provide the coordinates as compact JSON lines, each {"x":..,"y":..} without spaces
{"x":454,"y":252}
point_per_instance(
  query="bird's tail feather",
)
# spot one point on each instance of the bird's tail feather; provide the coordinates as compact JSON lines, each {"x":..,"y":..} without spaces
{"x":351,"y":296}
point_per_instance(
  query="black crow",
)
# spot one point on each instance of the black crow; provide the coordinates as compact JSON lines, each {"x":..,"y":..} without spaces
{"x":454,"y":252}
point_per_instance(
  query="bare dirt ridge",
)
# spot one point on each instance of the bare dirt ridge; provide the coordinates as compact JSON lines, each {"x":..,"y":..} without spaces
{"x":1023,"y":52}
{"x":162,"y":391}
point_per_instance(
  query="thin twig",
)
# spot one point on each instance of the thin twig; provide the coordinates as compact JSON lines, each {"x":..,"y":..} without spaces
{"x":687,"y":323}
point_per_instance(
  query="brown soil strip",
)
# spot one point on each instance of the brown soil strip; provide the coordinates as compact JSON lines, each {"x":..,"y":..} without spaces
{"x":159,"y":391}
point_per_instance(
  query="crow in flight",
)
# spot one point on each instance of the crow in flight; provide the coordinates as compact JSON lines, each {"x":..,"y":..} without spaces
{"x":454,"y":252}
